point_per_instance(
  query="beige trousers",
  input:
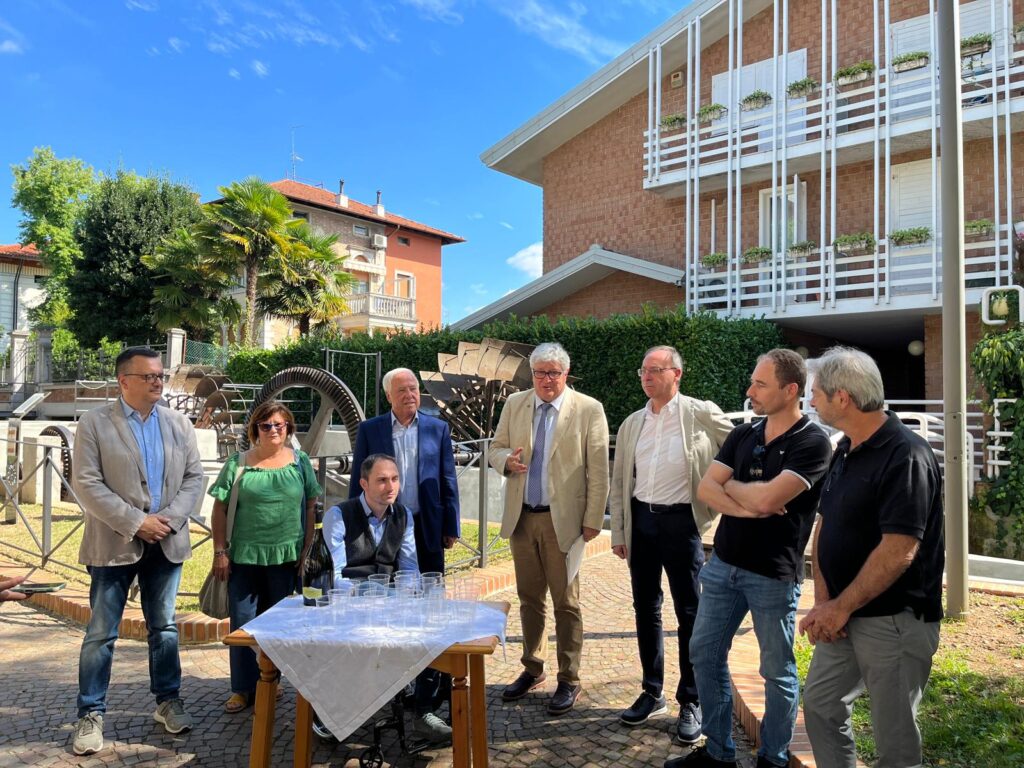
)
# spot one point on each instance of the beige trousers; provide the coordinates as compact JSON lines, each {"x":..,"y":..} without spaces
{"x":540,"y":568}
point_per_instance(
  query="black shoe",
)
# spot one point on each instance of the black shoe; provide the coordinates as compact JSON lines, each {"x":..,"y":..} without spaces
{"x":522,"y":686}
{"x":645,"y":706}
{"x":698,"y":758}
{"x":688,"y":724}
{"x":564,"y":698}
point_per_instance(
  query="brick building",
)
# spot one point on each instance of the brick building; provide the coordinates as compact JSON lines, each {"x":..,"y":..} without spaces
{"x":687,"y":169}
{"x":395,"y":261}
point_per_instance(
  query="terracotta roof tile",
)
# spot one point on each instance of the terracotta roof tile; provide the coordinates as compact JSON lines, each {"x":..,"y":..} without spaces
{"x":306,"y":193}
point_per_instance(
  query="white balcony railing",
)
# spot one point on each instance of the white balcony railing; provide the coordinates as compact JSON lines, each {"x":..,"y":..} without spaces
{"x":381,"y":306}
{"x":904,"y":103}
{"x":825,"y":278}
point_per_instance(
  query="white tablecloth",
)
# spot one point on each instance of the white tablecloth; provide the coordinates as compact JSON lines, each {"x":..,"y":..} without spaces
{"x":348,"y":670}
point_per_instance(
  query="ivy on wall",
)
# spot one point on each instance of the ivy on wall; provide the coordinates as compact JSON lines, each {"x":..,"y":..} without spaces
{"x":719,"y":354}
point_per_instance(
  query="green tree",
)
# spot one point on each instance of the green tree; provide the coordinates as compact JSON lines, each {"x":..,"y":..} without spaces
{"x":50,"y":192}
{"x":191,"y":286}
{"x":126,"y":217}
{"x":315,"y":291}
{"x":253,"y":226}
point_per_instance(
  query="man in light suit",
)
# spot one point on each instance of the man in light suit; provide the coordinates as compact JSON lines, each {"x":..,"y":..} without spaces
{"x":422,"y":448}
{"x":552,"y":443}
{"x":661,"y":453}
{"x":138,"y":477}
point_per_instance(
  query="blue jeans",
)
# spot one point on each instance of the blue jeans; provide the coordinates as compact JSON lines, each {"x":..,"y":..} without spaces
{"x":108,"y":593}
{"x":252,"y":589}
{"x":727,"y":594}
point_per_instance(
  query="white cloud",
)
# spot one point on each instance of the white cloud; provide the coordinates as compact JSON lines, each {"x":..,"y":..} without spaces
{"x":358,"y":42}
{"x":436,"y":10}
{"x":506,"y":225}
{"x":479,"y":289}
{"x":141,"y":5}
{"x":153,"y":50}
{"x":177,"y":44}
{"x":432,"y":201}
{"x":234,"y":74}
{"x":11,"y":40}
{"x":260,"y":68}
{"x":475,"y":216}
{"x":560,"y":30}
{"x":469,"y":309}
{"x":529,"y":260}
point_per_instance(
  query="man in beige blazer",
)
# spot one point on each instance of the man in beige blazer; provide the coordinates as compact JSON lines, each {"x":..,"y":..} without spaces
{"x":138,"y":477}
{"x":661,"y":453}
{"x":552,"y":443}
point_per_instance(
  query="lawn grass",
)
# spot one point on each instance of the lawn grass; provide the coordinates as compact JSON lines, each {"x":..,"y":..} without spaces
{"x":66,"y":519}
{"x":968,"y":718}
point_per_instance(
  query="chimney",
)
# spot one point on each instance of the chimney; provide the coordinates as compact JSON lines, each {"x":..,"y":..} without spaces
{"x":380,"y":205}
{"x":342,"y":199}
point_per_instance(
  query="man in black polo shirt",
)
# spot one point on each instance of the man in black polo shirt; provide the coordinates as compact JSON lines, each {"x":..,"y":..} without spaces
{"x":878,"y":559}
{"x":765,"y":481}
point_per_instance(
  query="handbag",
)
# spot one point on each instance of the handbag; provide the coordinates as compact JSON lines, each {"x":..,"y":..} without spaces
{"x":213,"y":595}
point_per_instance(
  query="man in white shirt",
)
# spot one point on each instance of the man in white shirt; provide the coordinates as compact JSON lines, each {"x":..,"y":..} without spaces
{"x":661,"y":452}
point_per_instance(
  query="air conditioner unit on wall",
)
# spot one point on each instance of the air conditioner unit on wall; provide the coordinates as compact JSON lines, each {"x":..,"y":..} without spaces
{"x":380,"y":241}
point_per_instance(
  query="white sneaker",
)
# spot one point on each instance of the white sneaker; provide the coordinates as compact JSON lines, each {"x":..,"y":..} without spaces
{"x":172,"y":715}
{"x":88,"y":734}
{"x":432,"y":728}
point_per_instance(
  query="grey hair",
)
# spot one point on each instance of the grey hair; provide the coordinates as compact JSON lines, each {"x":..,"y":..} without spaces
{"x":550,"y":352}
{"x":390,"y":375}
{"x":853,"y":371}
{"x":677,"y":359}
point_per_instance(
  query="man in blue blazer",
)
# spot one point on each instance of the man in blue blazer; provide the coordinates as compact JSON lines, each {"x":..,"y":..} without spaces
{"x":422,"y":448}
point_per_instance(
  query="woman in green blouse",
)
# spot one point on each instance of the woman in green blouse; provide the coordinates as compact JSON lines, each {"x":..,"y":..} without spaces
{"x":269,"y":540}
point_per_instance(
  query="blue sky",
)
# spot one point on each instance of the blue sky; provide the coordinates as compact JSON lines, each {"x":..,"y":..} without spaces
{"x":399,"y":95}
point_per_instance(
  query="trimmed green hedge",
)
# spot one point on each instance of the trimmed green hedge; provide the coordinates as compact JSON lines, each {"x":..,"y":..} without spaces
{"x":719,"y":354}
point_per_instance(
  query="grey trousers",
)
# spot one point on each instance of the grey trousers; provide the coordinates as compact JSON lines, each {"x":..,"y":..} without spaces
{"x":890,"y":657}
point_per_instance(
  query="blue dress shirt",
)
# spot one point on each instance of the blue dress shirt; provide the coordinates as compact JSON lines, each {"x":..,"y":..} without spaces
{"x":151,"y":446}
{"x":406,"y":440}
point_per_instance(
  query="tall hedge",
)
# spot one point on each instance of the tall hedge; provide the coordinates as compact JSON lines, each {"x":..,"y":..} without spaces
{"x":719,"y":353}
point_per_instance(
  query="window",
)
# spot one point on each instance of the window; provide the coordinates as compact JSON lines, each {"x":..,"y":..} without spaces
{"x":300,"y":215}
{"x":796,"y":214}
{"x":755,"y":77}
{"x":361,"y":286}
{"x":361,"y":229}
{"x":405,"y":285}
{"x":403,"y":240}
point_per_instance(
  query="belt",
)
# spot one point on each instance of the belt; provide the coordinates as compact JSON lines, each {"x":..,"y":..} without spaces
{"x":662,"y":509}
{"x":538,"y":508}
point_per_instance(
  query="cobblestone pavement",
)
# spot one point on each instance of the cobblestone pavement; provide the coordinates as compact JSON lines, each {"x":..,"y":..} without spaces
{"x":38,"y":683}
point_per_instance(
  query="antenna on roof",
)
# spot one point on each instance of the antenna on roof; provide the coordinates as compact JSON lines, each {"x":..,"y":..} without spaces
{"x":295,"y":158}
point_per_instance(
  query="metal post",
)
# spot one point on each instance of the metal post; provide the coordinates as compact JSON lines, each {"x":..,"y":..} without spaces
{"x":47,"y":502}
{"x":954,"y":376}
{"x":483,"y":535}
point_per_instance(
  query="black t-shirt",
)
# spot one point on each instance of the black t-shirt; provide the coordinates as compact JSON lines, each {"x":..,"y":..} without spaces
{"x":773,"y":546}
{"x":889,"y":484}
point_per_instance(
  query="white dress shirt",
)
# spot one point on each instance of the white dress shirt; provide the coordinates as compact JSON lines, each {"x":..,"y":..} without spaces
{"x":662,"y":471}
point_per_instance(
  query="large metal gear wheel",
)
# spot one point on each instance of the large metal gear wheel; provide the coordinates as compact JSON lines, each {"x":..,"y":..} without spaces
{"x":67,"y":442}
{"x":334,"y":397}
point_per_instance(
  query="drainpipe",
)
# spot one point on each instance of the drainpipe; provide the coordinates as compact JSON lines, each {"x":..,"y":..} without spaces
{"x":14,"y":303}
{"x":954,"y":376}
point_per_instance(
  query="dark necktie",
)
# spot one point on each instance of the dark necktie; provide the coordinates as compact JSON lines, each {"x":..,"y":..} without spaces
{"x":534,"y":489}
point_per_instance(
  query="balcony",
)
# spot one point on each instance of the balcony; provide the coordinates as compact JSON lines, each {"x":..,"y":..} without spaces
{"x":828,"y":280}
{"x":900,"y":109}
{"x":377,"y":311}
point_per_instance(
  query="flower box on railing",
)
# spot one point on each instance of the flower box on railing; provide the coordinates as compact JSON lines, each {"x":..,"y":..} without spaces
{"x":673,"y":122}
{"x":910,"y":61}
{"x":800,"y":89}
{"x":800,"y":250}
{"x":855,"y":73}
{"x":975,"y":45}
{"x":710,"y":112}
{"x":855,"y":244}
{"x":755,"y":100}
{"x":757,"y":254}
{"x":978,"y":227}
{"x":712,"y":260}
{"x":911,"y":236}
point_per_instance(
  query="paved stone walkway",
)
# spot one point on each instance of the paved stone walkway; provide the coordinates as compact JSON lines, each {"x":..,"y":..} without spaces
{"x":38,"y":682}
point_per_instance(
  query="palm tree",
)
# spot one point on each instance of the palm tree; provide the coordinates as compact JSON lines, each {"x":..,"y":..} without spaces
{"x":314,"y":291}
{"x":253,"y":226}
{"x":193,"y":285}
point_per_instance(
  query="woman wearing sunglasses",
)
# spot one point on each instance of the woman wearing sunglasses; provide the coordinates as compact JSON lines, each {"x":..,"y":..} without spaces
{"x":276,"y":489}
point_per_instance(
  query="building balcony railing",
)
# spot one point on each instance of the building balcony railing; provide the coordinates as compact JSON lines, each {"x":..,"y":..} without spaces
{"x":378,"y":305}
{"x":831,"y":280}
{"x":887,"y":106}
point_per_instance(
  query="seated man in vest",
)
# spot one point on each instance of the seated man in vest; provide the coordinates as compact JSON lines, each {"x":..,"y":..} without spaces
{"x":373,"y":533}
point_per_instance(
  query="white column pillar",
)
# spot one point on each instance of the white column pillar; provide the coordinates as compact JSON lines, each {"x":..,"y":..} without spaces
{"x":175,"y":348}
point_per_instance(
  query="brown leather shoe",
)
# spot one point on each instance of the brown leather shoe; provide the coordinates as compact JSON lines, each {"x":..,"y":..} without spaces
{"x":522,"y":686}
{"x":564,"y":698}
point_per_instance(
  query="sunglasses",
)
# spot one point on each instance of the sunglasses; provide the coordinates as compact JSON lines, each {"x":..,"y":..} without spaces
{"x":270,"y":426}
{"x":757,"y":462}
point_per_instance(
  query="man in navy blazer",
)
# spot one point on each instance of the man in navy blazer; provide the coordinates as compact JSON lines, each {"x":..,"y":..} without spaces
{"x":422,"y":448}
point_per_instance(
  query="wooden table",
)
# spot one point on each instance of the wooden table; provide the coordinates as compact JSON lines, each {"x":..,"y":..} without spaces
{"x":463,"y":661}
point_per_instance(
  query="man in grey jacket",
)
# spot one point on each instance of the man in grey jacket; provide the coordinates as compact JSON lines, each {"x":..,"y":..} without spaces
{"x":661,"y":452}
{"x":138,"y":477}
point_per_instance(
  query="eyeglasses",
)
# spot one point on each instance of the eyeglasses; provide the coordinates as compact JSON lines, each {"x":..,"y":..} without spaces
{"x":835,"y":471}
{"x":149,"y":378}
{"x":552,"y":375}
{"x":641,"y":372}
{"x":270,"y":426}
{"x":757,"y":462}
